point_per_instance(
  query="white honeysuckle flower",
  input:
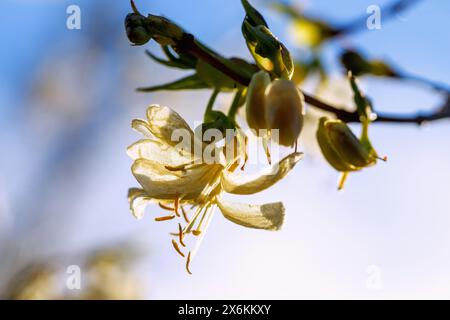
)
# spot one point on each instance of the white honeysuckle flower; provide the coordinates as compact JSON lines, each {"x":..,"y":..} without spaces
{"x":172,"y":177}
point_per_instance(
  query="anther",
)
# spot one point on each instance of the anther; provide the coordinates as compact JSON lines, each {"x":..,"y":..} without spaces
{"x":180,"y":235}
{"x":177,"y":248}
{"x":177,"y":204}
{"x":165,"y":207}
{"x":188,"y":262}
{"x":184,"y":214}
{"x":165,"y":218}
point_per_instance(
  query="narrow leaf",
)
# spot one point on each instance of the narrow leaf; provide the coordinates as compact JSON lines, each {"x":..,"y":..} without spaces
{"x":191,"y":82}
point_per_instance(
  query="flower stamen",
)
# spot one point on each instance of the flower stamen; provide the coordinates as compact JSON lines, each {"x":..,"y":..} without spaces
{"x":181,"y":235}
{"x":165,"y":207}
{"x":245,"y":153}
{"x":177,"y":204}
{"x":188,"y":262}
{"x":165,"y":218}
{"x":184,"y":214}
{"x":198,"y":230}
{"x":266,"y":147}
{"x":177,"y":248}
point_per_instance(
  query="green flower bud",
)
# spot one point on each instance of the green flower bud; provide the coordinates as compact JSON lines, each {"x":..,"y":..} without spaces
{"x":137,"y":29}
{"x":328,"y":150}
{"x":141,"y":29}
{"x":341,"y":148}
{"x":164,"y":31}
{"x":215,"y":120}
{"x":359,"y":65}
{"x":348,"y":145}
{"x":284,"y":110}
{"x":269,"y":53}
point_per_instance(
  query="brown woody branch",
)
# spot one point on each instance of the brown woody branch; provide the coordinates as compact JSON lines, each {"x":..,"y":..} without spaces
{"x":189,"y":44}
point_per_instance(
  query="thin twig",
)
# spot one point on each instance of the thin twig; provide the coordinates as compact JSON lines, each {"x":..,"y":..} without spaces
{"x":189,"y":44}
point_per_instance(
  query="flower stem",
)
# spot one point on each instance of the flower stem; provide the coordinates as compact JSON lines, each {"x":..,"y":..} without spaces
{"x":210,"y":105}
{"x":235,"y":105}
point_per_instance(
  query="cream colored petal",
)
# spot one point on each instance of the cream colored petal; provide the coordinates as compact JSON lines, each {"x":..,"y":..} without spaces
{"x":142,"y":127}
{"x":159,"y":152}
{"x":248,"y":184}
{"x":166,"y":124}
{"x":268,"y":216}
{"x":138,"y":200}
{"x":161,"y":183}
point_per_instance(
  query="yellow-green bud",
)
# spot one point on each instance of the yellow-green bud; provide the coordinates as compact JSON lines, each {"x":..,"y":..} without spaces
{"x":284,"y":110}
{"x":348,"y":145}
{"x":341,"y":148}
{"x":328,"y":150}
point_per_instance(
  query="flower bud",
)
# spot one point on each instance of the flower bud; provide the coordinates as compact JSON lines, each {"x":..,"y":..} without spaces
{"x":284,"y":110}
{"x":137,"y":29}
{"x":268,"y":52}
{"x":256,"y":99}
{"x":329,"y":152}
{"x":341,"y":148}
{"x":348,"y":145}
{"x":141,"y":29}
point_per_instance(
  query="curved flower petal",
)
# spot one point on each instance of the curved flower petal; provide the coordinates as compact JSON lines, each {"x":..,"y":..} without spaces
{"x":142,"y":127}
{"x":268,"y":216}
{"x":138,"y":200}
{"x":161,"y":183}
{"x":166,"y":124}
{"x":159,"y":152}
{"x":248,"y":184}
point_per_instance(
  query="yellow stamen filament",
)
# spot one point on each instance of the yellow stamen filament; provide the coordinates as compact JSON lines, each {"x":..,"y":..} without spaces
{"x":188,"y":228}
{"x":165,"y":218}
{"x":198,"y":230}
{"x":181,"y":235}
{"x":177,"y":248}
{"x":188,"y":262}
{"x":266,"y":147}
{"x":245,"y":153}
{"x":184,"y":214}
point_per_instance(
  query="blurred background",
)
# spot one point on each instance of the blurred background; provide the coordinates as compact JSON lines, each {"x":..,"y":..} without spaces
{"x":67,"y":98}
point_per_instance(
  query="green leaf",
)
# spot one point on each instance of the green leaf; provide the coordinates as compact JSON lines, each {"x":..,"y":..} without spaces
{"x":191,"y":82}
{"x":168,"y":63}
